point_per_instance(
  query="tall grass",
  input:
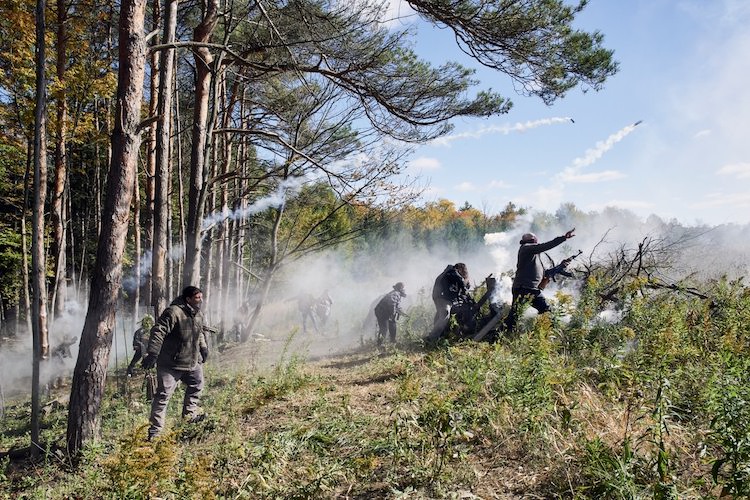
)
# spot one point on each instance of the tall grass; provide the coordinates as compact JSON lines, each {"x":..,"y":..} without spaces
{"x":654,"y":404}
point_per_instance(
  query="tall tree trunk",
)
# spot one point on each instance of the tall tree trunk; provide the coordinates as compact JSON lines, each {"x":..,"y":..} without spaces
{"x":40,"y":343}
{"x":150,"y":186}
{"x":97,"y":170}
{"x":180,"y":184}
{"x":90,"y":373}
{"x":136,"y":249}
{"x":61,"y":169}
{"x":24,"y":239}
{"x":71,"y":247}
{"x":201,"y":142}
{"x":161,"y":194}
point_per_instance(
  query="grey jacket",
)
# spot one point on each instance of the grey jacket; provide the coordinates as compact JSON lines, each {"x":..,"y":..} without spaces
{"x":529,"y":269}
{"x":389,"y":306}
{"x":178,"y":337}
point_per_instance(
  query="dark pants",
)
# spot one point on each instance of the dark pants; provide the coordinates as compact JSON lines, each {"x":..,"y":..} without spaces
{"x":441,"y":319}
{"x":167,"y":381}
{"x":532,"y":296}
{"x":386,"y":323}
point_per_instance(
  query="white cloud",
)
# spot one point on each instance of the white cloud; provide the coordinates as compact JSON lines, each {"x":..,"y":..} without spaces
{"x":398,"y":12}
{"x":547,"y":198}
{"x":424,"y":163}
{"x":607,"y":175}
{"x":738,"y":170}
{"x":499,"y":185}
{"x":466,"y":186}
{"x":702,"y":133}
{"x":736,"y":200}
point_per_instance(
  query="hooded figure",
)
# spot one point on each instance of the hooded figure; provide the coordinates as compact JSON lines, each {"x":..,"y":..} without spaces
{"x":451,"y":287}
{"x":387,"y":311}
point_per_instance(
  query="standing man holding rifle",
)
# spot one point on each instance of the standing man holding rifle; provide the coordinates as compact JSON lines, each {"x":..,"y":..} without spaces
{"x":529,"y":280}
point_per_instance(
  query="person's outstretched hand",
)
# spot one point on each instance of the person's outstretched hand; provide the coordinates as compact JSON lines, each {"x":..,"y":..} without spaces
{"x":570,"y":234}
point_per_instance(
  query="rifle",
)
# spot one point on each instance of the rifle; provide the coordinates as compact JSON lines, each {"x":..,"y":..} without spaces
{"x":559,"y":269}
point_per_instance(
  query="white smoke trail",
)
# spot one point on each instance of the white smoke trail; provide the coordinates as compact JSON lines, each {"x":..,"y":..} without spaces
{"x":131,"y":281}
{"x":499,"y":129}
{"x":275,"y":199}
{"x":546,"y":198}
{"x":571,"y":173}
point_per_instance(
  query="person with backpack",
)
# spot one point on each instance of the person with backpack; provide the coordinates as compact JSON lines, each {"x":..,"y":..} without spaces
{"x":450,"y":288}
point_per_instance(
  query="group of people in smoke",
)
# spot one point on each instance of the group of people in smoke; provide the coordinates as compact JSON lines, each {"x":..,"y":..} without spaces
{"x":452,"y":285}
{"x":177,"y":346}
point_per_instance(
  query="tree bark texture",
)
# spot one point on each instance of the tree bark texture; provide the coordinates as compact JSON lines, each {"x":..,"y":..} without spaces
{"x":200,"y":145}
{"x":61,"y":167}
{"x":150,"y":180}
{"x":40,"y":341}
{"x":161,"y":194}
{"x":90,"y":372}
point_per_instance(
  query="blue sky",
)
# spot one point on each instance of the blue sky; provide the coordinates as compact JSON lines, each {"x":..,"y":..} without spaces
{"x":684,"y":68}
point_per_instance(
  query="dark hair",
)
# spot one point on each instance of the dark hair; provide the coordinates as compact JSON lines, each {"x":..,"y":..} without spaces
{"x":190,"y":291}
{"x":462,"y":270}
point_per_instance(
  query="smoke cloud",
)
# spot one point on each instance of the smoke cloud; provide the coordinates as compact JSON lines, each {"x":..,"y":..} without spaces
{"x":275,"y":199}
{"x":355,"y":283}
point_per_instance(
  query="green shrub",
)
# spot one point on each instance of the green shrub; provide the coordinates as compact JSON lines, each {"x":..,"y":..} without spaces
{"x":730,"y":427}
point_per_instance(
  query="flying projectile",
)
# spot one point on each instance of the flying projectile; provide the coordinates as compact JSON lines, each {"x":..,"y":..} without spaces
{"x":637,"y":123}
{"x":571,"y":120}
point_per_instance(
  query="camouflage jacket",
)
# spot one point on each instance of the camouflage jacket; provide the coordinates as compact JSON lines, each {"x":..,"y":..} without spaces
{"x":178,"y":337}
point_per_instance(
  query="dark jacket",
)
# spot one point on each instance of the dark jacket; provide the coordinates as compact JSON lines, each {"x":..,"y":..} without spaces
{"x":140,"y":339}
{"x":529,"y":269}
{"x":389,"y":307}
{"x":178,"y":337}
{"x":449,"y":285}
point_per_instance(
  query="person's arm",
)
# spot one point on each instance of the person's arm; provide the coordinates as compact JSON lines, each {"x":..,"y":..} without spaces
{"x":160,"y":330}
{"x":535,"y":248}
{"x":203,"y":346}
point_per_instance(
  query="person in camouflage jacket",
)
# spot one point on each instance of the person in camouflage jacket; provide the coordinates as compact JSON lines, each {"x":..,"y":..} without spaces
{"x":177,"y":347}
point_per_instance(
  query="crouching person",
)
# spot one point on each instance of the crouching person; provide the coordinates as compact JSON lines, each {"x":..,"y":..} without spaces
{"x":177,"y":347}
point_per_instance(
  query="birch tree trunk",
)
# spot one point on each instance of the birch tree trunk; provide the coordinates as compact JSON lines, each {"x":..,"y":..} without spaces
{"x":90,"y":373}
